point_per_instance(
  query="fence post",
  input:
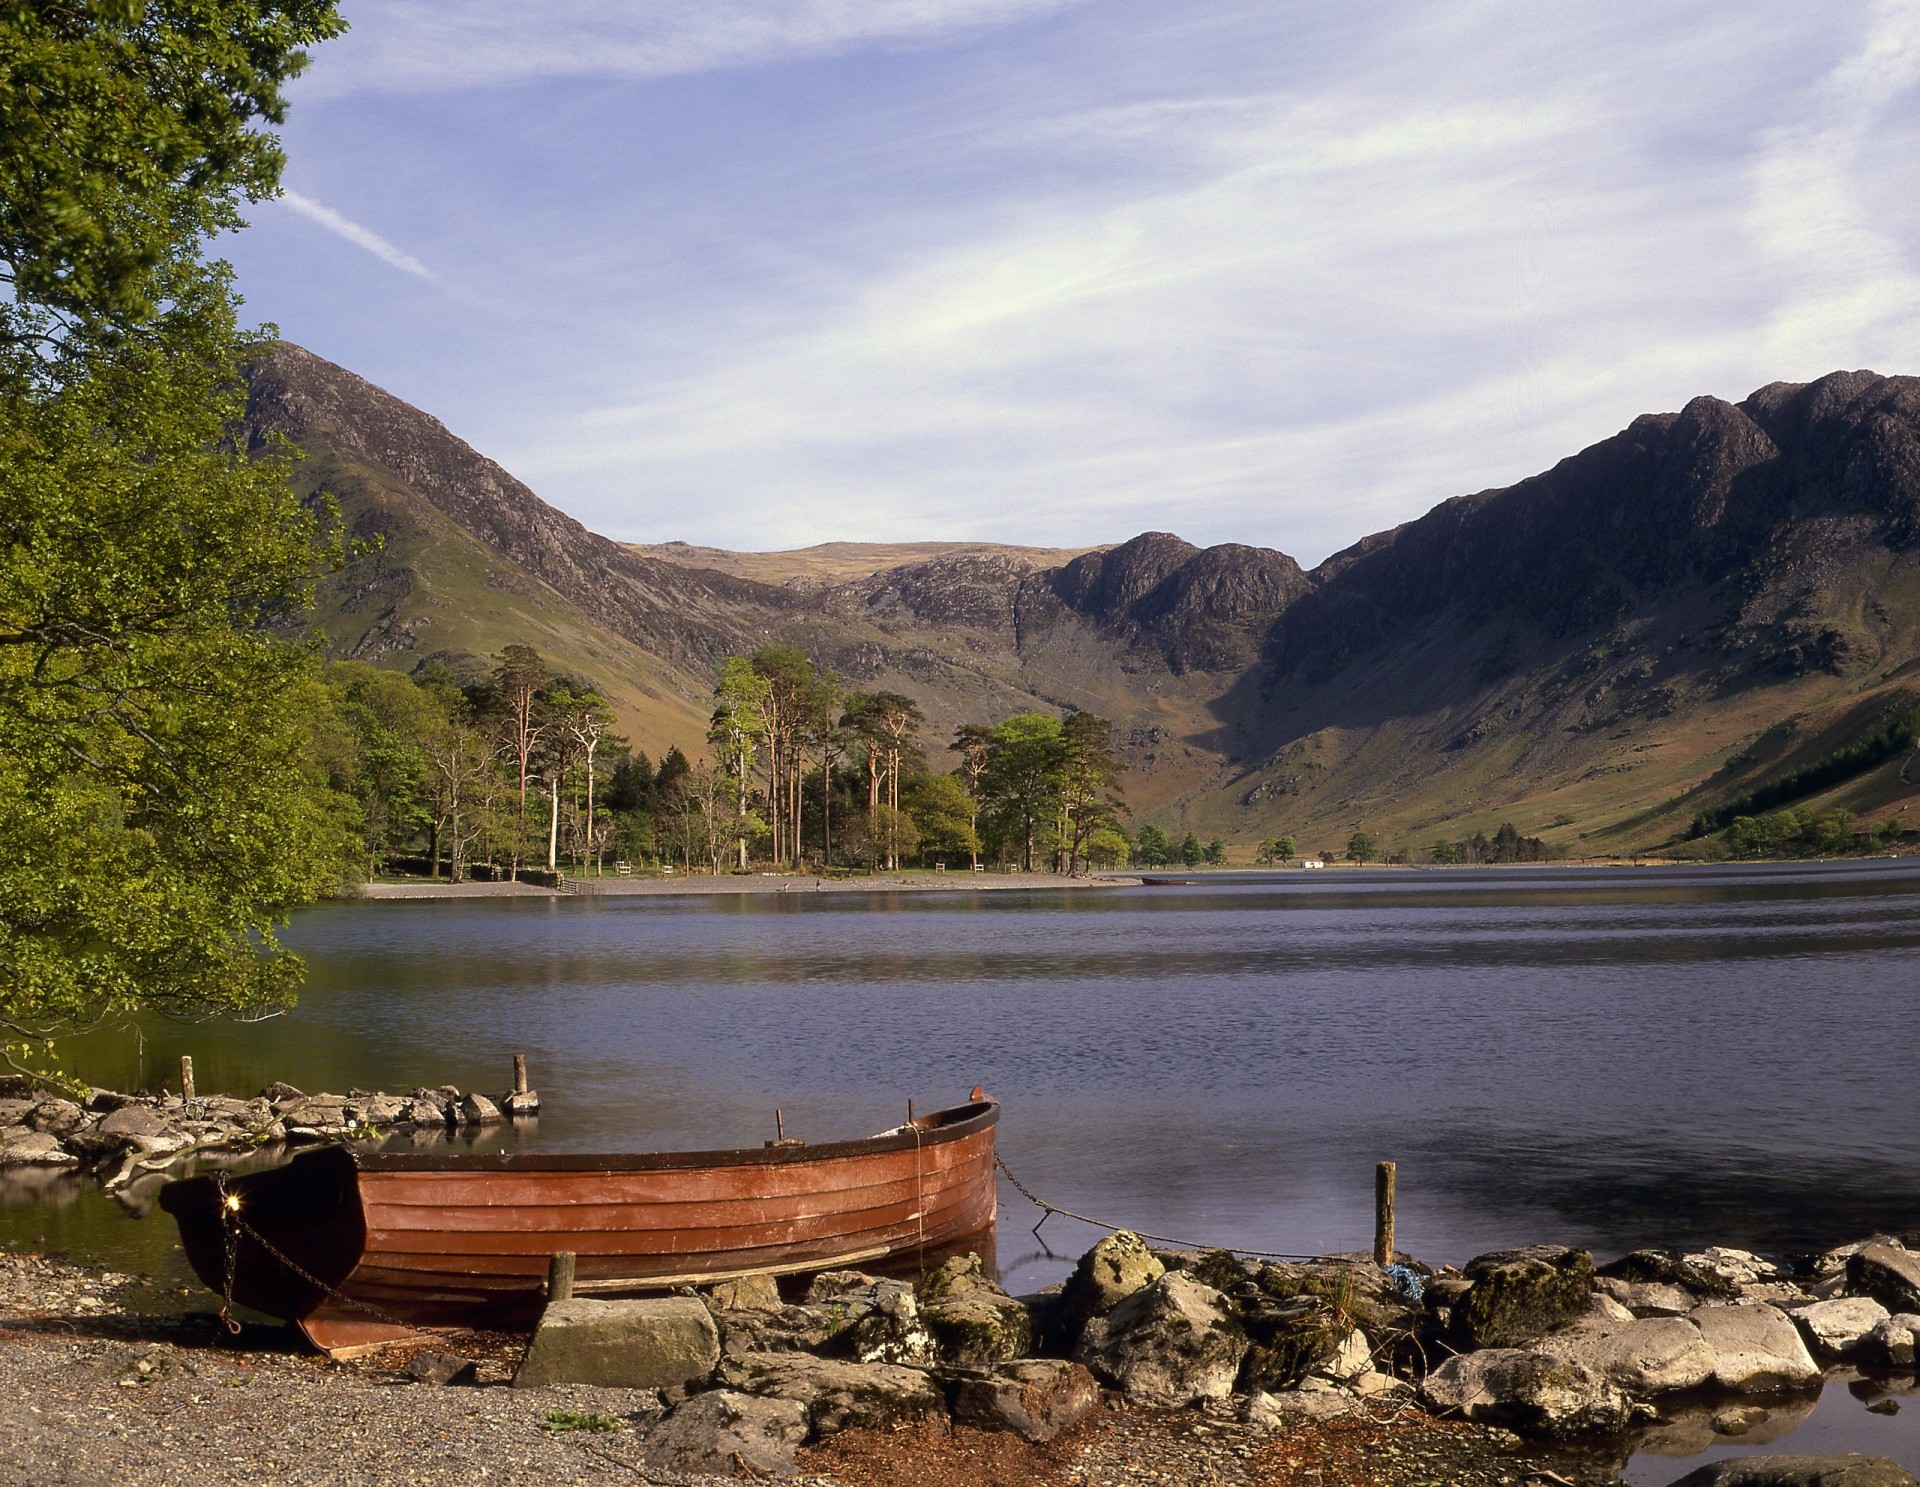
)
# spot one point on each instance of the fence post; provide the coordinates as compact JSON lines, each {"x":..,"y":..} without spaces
{"x":1383,"y":1184}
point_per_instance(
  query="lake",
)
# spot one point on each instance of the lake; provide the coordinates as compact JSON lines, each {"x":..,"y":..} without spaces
{"x":1603,"y":1057}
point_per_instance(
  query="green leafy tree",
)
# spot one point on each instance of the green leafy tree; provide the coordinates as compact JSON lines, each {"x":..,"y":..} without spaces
{"x":942,"y":813}
{"x":1107,"y":846}
{"x":1360,"y":847}
{"x":1190,"y":850}
{"x":1090,"y":798}
{"x":1444,"y":853}
{"x":1215,"y":854}
{"x":1152,"y":847}
{"x":1021,"y":789}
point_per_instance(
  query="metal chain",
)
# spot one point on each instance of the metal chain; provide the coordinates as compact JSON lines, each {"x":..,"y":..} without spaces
{"x":236,"y":1226}
{"x":1053,"y":1208}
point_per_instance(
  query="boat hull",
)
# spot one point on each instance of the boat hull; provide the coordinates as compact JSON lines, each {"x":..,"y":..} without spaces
{"x":398,"y":1241}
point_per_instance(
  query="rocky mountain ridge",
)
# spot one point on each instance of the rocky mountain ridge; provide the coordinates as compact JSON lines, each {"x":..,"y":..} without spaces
{"x":1706,"y":595}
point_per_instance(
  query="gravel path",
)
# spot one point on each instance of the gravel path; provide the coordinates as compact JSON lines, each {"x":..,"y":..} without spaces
{"x":97,"y":1392}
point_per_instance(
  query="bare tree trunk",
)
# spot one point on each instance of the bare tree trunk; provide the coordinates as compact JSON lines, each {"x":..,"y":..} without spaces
{"x":553,"y":829}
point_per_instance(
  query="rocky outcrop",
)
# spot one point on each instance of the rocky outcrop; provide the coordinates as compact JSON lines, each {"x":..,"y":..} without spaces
{"x":974,"y":1323}
{"x":725,"y":1433}
{"x":1518,"y":1294}
{"x":1888,"y":1274}
{"x":1756,"y":1348}
{"x":1035,"y":1398}
{"x":1526,"y":1390}
{"x":1173,"y":1342}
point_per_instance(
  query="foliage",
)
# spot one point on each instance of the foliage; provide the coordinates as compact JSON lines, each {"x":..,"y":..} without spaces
{"x":1215,"y":854}
{"x":1804,"y":833}
{"x":1898,"y":735}
{"x":1191,"y":851}
{"x":1277,"y":849}
{"x":1361,"y":847}
{"x":1151,"y":847}
{"x":942,"y":814}
{"x":1021,"y":788}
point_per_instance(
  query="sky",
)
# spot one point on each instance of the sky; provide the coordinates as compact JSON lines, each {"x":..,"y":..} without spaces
{"x":764,"y":273}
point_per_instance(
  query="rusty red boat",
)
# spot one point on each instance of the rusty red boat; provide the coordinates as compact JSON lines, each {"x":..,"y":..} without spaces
{"x":362,"y":1247}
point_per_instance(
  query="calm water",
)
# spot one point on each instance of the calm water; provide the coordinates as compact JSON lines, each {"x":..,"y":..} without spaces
{"x":1609,"y":1058}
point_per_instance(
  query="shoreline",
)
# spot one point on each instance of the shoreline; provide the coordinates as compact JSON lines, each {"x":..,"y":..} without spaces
{"x":702,"y":885}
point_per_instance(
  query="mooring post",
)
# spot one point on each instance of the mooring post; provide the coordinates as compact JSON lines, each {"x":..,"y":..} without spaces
{"x":519,"y":1073}
{"x":186,"y":1076}
{"x":560,"y":1277}
{"x":1383,"y":1179}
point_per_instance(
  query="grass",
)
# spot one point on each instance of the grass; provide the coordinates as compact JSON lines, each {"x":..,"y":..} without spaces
{"x":562,"y":1420}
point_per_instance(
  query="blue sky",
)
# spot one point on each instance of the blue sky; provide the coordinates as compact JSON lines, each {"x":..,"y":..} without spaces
{"x":761,"y":273}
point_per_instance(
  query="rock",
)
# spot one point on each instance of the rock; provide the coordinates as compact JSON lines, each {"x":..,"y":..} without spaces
{"x":62,"y":1118}
{"x":1373,"y":1385}
{"x":21,"y":1146}
{"x":1834,"y":1261}
{"x":478,"y":1110}
{"x":1358,"y":1289}
{"x":727,"y":1433}
{"x":1892,"y":1344}
{"x":1890,"y":1276}
{"x":1736,"y":1267}
{"x":790,"y":1329}
{"x":835,"y":1394}
{"x":1114,"y":1269}
{"x":1756,"y":1348}
{"x":1518,"y":1294}
{"x":1800,"y":1471}
{"x":1737,"y":1419}
{"x":1602,"y":1308}
{"x":1649,"y":1298}
{"x":1669,"y":1268}
{"x":442,"y":1368}
{"x":373,"y":1110}
{"x":1526,"y":1390}
{"x":281,"y":1093}
{"x":1292,"y":1340}
{"x":520,"y":1105}
{"x":1658,"y":1355}
{"x":13,"y":1112}
{"x":1351,"y":1358}
{"x":747,"y":1293}
{"x":1169,"y":1344}
{"x":1035,"y":1398}
{"x":1264,"y":1411}
{"x":1838,"y":1328}
{"x":314,"y":1113}
{"x":973,"y":1322}
{"x":424,"y":1112}
{"x":652,"y":1344}
{"x":893,"y":1332}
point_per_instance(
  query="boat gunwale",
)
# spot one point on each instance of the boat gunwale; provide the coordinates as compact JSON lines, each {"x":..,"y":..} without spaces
{"x":953,"y":1124}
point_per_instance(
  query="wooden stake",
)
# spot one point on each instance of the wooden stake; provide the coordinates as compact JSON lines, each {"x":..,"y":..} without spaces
{"x":1383,"y":1183}
{"x":519,"y":1073}
{"x":560,"y":1277}
{"x":186,"y":1077}
{"x":779,"y":1126}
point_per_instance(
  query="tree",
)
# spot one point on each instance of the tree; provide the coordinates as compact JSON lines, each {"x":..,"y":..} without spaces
{"x":1360,"y":847}
{"x":1107,"y":846}
{"x":1090,"y":797}
{"x":1215,"y":854}
{"x":1279,"y":849}
{"x":971,"y":741}
{"x":516,"y":695}
{"x":942,"y":814}
{"x":1190,"y":850}
{"x":1152,"y":848}
{"x":1020,"y":787}
{"x":739,"y":725}
{"x":1445,"y":853}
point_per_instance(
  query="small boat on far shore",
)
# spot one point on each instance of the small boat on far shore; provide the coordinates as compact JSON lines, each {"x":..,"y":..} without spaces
{"x":360,"y":1248}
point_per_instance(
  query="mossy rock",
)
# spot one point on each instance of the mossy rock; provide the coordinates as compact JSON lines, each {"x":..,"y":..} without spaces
{"x":974,"y":1323}
{"x":1519,"y":1294}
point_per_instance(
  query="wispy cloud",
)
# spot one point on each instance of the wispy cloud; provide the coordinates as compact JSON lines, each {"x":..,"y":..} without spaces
{"x":360,"y":237}
{"x":409,"y":45}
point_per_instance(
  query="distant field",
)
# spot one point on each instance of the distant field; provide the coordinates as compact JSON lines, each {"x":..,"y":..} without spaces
{"x":844,"y":562}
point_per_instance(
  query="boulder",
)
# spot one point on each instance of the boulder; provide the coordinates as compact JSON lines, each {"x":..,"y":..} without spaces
{"x":791,"y":1329}
{"x":478,"y":1110}
{"x":1651,"y":1298}
{"x":13,"y":1112}
{"x":1838,"y":1328}
{"x":1800,"y":1471}
{"x":894,"y":1332}
{"x":652,"y":1344}
{"x":837,"y":1395}
{"x":131,"y":1122}
{"x":747,"y":1293}
{"x":1518,"y":1294}
{"x":433,"y":1367}
{"x":281,"y":1093}
{"x":61,"y":1117}
{"x":1527,"y":1390}
{"x":1756,"y":1348}
{"x":1360,"y":1290}
{"x":21,"y":1146}
{"x":874,"y":1312}
{"x":725,"y":1433}
{"x":1351,"y":1358}
{"x":1888,"y":1274}
{"x":374,"y":1110}
{"x":1114,"y":1269}
{"x":314,"y":1113}
{"x":422,"y":1112}
{"x":520,"y":1104}
{"x":1892,"y":1343}
{"x":1736,"y":1267}
{"x":1668,"y":1267}
{"x":1169,"y":1344}
{"x":1834,"y":1261}
{"x":1292,"y":1340}
{"x":1264,"y":1411}
{"x":1657,"y":1355}
{"x":1035,"y":1398}
{"x":973,"y":1322}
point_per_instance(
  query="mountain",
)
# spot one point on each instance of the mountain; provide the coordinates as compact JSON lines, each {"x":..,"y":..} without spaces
{"x":1676,"y":615}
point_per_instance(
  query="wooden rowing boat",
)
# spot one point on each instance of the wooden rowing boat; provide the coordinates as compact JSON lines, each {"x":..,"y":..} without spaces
{"x":359,"y":1247}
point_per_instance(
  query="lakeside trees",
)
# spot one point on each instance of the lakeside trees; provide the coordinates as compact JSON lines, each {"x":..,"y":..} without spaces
{"x":161,"y":806}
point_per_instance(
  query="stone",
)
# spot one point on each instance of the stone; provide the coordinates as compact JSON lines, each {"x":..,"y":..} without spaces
{"x":314,"y":1113}
{"x":1169,"y":1344}
{"x":1834,"y":1261}
{"x":838,"y":1395}
{"x":1526,"y":1390}
{"x":894,"y":1332}
{"x":21,"y":1146}
{"x":1889,"y":1275}
{"x":1602,"y":1308}
{"x":1800,"y":1471}
{"x":1737,"y":1419}
{"x":1644,"y":1358}
{"x":433,"y":1367}
{"x":281,"y":1093}
{"x":790,"y":1329}
{"x":1035,"y":1398}
{"x":60,"y":1117}
{"x":1756,"y":1348}
{"x":1351,"y":1358}
{"x":726,"y":1433}
{"x":1737,"y":1267}
{"x":1838,"y":1328}
{"x":478,"y":1110}
{"x":1374,"y":1385}
{"x":1264,"y":1411}
{"x":373,"y":1110}
{"x":1649,"y":1298}
{"x":1668,"y":1267}
{"x":1518,"y":1294}
{"x":13,"y":1112}
{"x":650,"y":1344}
{"x":520,"y":1104}
{"x":1892,"y":1343}
{"x":973,"y":1322}
{"x":424,"y":1112}
{"x":746,"y":1293}
{"x":1114,"y":1269}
